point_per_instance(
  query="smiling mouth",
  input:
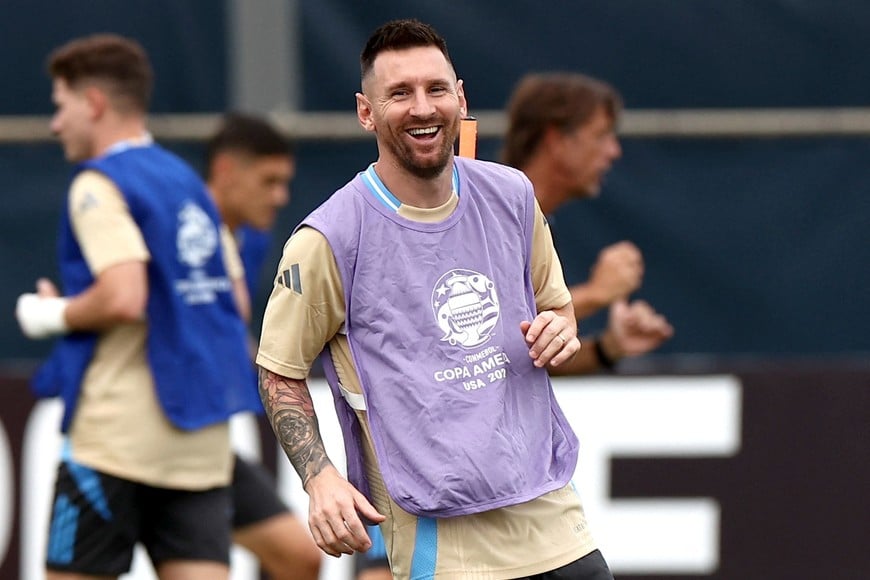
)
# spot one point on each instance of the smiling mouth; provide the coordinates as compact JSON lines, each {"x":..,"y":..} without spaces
{"x":423,"y":132}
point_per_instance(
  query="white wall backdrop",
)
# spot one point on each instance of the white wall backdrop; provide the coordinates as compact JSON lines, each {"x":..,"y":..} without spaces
{"x":626,"y":417}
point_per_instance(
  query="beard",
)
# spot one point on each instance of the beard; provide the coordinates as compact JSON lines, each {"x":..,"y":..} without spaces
{"x":425,"y":168}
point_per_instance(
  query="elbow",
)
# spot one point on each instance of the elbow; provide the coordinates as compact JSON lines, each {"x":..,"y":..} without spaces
{"x":126,"y":309}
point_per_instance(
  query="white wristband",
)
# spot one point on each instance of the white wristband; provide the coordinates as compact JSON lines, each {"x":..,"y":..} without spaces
{"x":41,"y":316}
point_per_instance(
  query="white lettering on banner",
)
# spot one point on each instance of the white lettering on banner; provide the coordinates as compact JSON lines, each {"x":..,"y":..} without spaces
{"x":613,"y":417}
{"x":7,"y":493}
{"x":651,"y":417}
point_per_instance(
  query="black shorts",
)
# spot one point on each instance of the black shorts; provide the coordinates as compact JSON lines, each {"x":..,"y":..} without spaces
{"x":255,"y":495}
{"x":374,"y":557}
{"x":97,"y":520}
{"x":590,"y":567}
{"x":364,"y":561}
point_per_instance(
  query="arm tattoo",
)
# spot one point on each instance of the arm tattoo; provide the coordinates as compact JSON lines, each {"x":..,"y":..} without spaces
{"x":290,"y":410}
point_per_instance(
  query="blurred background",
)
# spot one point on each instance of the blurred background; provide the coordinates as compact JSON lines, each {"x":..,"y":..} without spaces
{"x":746,"y":142}
{"x":744,"y":181}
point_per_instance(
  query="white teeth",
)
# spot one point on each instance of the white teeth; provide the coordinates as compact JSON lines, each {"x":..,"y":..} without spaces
{"x":426,"y":131}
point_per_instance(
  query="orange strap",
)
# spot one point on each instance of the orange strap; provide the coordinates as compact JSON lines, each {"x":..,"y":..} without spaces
{"x":468,"y":137}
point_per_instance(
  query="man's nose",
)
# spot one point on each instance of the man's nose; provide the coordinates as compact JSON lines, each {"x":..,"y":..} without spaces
{"x":422,"y":106}
{"x":281,"y":195}
{"x":615,"y":148}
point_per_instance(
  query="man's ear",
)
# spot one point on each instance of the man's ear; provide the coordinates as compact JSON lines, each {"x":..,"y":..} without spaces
{"x":364,"y":112}
{"x":97,"y":100}
{"x":221,"y":168}
{"x":553,"y":139}
{"x":460,"y":93}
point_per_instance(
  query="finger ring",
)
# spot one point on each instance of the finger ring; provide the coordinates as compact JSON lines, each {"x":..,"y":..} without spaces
{"x":562,"y":338}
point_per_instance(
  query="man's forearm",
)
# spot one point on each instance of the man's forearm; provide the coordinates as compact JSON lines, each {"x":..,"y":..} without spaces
{"x":583,"y":363}
{"x":290,"y":410}
{"x":588,"y":361}
{"x":586,"y":300}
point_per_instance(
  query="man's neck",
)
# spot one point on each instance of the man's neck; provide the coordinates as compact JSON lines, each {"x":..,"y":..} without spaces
{"x":548,"y":192}
{"x":226,"y":216}
{"x":421,"y":192}
{"x":130,"y":130}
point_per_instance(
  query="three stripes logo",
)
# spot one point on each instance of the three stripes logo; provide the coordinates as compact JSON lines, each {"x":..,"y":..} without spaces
{"x":290,"y":279}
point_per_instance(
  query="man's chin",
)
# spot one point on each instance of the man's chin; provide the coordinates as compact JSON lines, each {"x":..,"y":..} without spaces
{"x":428,"y":172}
{"x":264,"y":225}
{"x":427,"y":169}
{"x":587,"y":192}
{"x":594,"y":189}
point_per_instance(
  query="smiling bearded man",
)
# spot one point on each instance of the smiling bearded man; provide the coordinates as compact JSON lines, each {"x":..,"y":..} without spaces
{"x":421,"y":271}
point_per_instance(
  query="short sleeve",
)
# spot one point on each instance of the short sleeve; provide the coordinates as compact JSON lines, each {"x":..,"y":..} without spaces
{"x":547,"y":277}
{"x":306,"y":308}
{"x":102,"y":223}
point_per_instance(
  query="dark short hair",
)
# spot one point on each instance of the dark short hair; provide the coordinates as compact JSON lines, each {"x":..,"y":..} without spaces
{"x":247,"y":134}
{"x":398,"y":35}
{"x":120,"y":63}
{"x":561,"y":100}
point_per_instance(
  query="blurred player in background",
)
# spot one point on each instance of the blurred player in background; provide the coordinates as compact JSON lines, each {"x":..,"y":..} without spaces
{"x":562,"y":135}
{"x":152,"y":358}
{"x":249,"y":165}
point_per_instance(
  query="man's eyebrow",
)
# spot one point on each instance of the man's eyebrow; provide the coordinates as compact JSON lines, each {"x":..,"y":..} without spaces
{"x":428,"y":82}
{"x":397,"y":85}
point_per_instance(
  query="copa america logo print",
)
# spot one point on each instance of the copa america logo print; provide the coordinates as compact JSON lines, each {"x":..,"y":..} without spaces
{"x":196,"y":239}
{"x":466,"y":307}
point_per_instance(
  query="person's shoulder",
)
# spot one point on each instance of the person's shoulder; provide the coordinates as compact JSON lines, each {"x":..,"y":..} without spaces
{"x":91,"y":176}
{"x":346,"y":196}
{"x":306,"y":236}
{"x":306,"y":242}
{"x":91,"y":186}
{"x":494,"y":179}
{"x":479,"y":169}
{"x":351,"y":189}
{"x":482,"y":166}
{"x":165,"y":155}
{"x":338,"y":220}
{"x":151,"y":158}
{"x":159,"y":150}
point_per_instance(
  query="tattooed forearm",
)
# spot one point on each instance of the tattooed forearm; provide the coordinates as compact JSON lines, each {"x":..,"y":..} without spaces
{"x":290,"y":410}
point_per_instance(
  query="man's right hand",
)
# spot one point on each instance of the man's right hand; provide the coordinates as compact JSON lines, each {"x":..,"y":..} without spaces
{"x":334,"y":514}
{"x":615,"y":275}
{"x":618,"y":271}
{"x":634,"y":329}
